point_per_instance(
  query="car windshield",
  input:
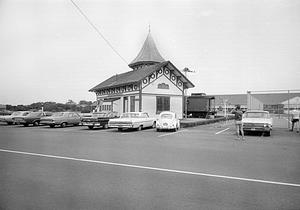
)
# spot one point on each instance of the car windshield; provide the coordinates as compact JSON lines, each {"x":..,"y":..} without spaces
{"x":58,"y":114}
{"x":166,"y":116}
{"x":16,"y":113}
{"x":256,"y":115}
{"x":130,"y":115}
{"x":34,"y":114}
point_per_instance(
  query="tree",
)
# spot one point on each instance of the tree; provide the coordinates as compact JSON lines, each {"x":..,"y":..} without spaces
{"x":70,"y":102}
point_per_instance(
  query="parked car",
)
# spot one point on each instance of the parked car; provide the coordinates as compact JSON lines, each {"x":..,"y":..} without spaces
{"x":9,"y":118}
{"x":132,"y":120}
{"x":99,"y":119}
{"x":61,"y":118}
{"x":167,"y":121}
{"x":33,"y":118}
{"x":257,"y":121}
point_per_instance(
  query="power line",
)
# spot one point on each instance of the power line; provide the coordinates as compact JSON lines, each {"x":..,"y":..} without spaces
{"x":97,"y":30}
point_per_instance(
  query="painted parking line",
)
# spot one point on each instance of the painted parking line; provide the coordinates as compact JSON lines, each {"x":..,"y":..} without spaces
{"x":222,"y":131}
{"x":151,"y":168}
{"x":168,"y":134}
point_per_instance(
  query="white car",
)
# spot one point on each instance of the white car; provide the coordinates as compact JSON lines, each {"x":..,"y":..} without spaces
{"x":132,"y":120}
{"x":167,"y":121}
{"x":257,"y":121}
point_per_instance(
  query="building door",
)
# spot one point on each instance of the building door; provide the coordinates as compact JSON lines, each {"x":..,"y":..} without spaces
{"x":132,"y":103}
{"x":125,"y":104}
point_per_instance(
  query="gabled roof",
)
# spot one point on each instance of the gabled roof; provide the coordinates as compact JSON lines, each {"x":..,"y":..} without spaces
{"x":137,"y":75}
{"x":148,"y":53}
{"x":128,"y":77}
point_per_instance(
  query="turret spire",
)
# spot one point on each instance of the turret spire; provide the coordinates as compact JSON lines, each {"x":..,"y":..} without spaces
{"x":148,"y":55}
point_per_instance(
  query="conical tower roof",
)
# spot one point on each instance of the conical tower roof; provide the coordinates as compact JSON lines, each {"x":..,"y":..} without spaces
{"x":148,"y":54}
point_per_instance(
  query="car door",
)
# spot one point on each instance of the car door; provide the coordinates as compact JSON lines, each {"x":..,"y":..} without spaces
{"x":77,"y":118}
{"x":71,"y":118}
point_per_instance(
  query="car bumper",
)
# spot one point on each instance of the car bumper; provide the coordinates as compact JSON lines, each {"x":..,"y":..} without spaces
{"x":121,"y":126}
{"x":263,"y":129}
{"x":97,"y":124}
{"x":162,"y":127}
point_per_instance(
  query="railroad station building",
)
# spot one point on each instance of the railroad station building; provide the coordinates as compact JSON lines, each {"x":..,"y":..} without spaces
{"x":152,"y":85}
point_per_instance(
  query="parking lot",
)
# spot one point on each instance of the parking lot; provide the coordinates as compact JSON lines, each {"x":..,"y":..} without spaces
{"x":202,"y":167}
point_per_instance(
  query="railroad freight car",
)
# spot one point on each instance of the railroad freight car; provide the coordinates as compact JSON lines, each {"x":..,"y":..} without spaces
{"x":200,"y":105}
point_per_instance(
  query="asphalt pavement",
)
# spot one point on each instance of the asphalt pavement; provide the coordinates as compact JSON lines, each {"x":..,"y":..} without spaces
{"x":202,"y":167}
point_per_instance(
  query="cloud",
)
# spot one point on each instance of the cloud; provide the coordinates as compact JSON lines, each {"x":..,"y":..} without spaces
{"x":206,"y":13}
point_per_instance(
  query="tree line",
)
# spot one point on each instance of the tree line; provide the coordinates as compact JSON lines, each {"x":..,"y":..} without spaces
{"x":83,"y":106}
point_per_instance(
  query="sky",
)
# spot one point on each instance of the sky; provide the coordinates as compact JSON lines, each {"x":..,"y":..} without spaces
{"x":48,"y":51}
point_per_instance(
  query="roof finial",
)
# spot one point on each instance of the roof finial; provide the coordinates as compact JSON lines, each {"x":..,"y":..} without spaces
{"x":149,"y":28}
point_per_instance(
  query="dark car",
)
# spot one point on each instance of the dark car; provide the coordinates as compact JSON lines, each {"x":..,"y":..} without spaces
{"x":62,"y":118}
{"x":33,"y":118}
{"x":99,"y":119}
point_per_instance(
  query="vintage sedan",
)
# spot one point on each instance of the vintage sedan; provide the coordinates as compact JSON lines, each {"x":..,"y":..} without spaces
{"x":167,"y":121}
{"x":132,"y":120}
{"x":9,"y":118}
{"x":98,"y":119}
{"x":259,"y":121}
{"x":62,"y":119}
{"x":33,"y":118}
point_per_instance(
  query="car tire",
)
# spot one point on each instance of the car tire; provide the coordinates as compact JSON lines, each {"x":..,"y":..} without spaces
{"x":63,"y":125}
{"x":91,"y":127}
{"x":36,"y":123}
{"x":120,"y":129}
{"x":268,"y":133}
{"x":25,"y":124}
{"x":157,"y":129}
{"x":51,"y":126}
{"x":105,"y":126}
{"x":9,"y":123}
{"x":140,"y":128}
